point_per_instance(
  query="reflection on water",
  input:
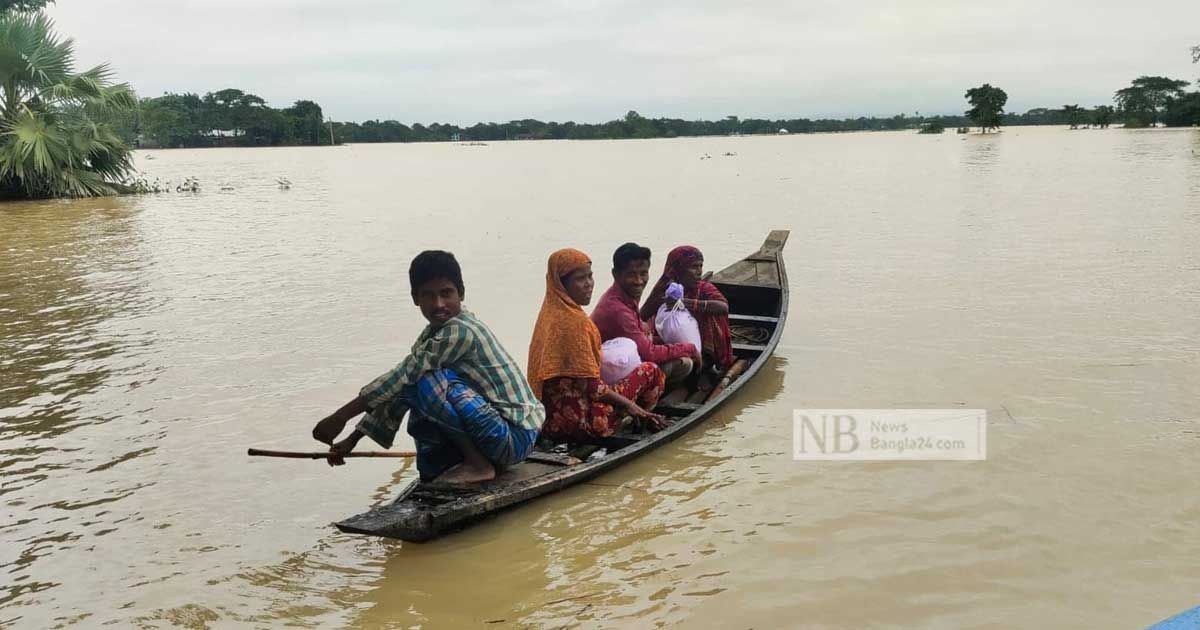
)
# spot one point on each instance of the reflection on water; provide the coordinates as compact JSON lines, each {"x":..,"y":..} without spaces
{"x":64,"y":275}
{"x":1045,"y":275}
{"x":581,"y":549}
{"x":69,"y":277}
{"x":981,"y":152}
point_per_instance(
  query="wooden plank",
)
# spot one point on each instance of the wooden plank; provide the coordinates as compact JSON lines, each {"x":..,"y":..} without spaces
{"x":767,"y":273}
{"x":738,"y":273}
{"x":758,"y":319}
{"x":560,"y":459}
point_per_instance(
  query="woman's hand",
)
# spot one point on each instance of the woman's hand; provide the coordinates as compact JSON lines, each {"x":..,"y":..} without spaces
{"x":652,"y":421}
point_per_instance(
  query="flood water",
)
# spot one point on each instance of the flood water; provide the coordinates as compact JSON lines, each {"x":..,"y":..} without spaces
{"x":1051,"y":277}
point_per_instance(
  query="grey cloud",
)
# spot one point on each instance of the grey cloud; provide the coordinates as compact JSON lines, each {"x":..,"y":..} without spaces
{"x":593,"y":60}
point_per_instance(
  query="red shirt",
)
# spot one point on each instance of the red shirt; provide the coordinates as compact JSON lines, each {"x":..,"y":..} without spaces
{"x":616,"y":315}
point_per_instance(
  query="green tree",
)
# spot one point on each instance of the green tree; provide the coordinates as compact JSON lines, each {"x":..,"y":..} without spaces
{"x":987,"y":106}
{"x":1102,"y":116}
{"x":1143,"y":102}
{"x":52,"y":138}
{"x":1135,"y":107}
{"x":1160,"y":90}
{"x":1074,"y":115}
{"x":305,"y":119}
{"x":23,"y":5}
{"x":1183,"y":112}
{"x":172,"y":120}
{"x":637,"y":126}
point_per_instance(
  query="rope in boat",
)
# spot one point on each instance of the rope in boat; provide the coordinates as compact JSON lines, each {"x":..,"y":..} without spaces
{"x":745,"y":333}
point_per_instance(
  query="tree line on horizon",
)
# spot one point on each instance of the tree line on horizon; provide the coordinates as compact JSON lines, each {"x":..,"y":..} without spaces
{"x":1147,"y":102}
{"x":69,"y":133}
{"x":228,"y":117}
{"x":231,"y":117}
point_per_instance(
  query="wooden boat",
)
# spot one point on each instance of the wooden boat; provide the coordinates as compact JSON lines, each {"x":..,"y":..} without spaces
{"x":757,"y":289}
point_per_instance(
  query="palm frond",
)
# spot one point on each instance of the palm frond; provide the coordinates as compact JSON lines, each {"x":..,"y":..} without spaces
{"x":52,"y":142}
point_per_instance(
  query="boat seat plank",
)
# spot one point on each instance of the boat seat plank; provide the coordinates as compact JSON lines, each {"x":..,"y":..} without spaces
{"x":558,"y":459}
{"x":757,"y":319}
{"x":520,"y":472}
{"x":748,"y":347}
{"x":435,"y":494}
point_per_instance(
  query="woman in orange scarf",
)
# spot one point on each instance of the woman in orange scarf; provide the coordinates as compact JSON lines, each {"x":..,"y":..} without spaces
{"x":564,"y":362}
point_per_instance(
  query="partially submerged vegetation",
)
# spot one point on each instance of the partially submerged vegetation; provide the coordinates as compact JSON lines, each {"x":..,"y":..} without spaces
{"x":932,"y":127}
{"x":65,"y":133}
{"x":56,"y":140}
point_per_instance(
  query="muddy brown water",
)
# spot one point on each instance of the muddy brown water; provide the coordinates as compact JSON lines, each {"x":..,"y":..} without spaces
{"x":1051,"y":277}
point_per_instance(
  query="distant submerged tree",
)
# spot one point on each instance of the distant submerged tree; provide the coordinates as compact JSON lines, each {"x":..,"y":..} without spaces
{"x":1142,"y":103}
{"x":987,"y":106}
{"x":1134,"y":106}
{"x":54,"y":141}
{"x":932,"y":127}
{"x":1102,"y":116}
{"x":1074,"y":115}
{"x":1183,"y":112}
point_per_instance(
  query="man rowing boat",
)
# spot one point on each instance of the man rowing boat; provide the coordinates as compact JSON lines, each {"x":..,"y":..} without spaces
{"x":470,"y":408}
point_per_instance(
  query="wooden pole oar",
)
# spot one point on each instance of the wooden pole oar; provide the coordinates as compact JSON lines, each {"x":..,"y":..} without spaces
{"x":258,"y":452}
{"x":732,"y":373}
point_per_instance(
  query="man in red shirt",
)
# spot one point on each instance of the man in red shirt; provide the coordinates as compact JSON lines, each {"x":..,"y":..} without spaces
{"x":616,"y":315}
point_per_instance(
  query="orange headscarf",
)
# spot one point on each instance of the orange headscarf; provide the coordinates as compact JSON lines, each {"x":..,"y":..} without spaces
{"x":565,"y":341}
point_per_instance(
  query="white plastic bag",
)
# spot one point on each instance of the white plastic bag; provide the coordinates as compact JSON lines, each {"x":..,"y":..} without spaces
{"x":618,"y":357}
{"x":676,"y":325}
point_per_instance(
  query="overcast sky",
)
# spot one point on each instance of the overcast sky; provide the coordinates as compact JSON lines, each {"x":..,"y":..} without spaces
{"x":593,"y":60}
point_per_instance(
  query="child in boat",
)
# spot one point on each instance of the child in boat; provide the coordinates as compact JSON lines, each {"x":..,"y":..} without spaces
{"x":564,"y":362}
{"x":470,"y":409}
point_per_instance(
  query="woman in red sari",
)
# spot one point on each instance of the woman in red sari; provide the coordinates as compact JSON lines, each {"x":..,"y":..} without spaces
{"x":685,"y":265}
{"x":564,"y":363}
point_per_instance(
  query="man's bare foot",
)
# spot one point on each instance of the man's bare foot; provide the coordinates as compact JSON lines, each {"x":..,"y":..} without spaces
{"x":463,"y":474}
{"x":328,"y":429}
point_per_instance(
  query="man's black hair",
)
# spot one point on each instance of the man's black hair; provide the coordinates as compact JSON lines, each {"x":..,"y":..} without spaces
{"x":434,"y":264}
{"x":628,"y":253}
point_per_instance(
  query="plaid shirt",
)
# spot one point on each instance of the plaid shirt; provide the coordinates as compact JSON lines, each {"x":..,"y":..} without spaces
{"x":465,"y":345}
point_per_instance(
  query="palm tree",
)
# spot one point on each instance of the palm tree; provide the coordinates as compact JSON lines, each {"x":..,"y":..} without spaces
{"x":53,"y":138}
